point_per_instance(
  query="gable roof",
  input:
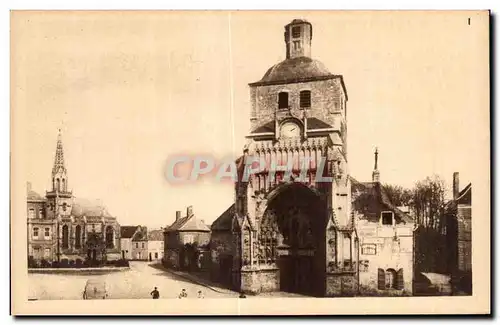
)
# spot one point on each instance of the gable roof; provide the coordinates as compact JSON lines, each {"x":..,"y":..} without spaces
{"x":188,"y":223}
{"x":140,"y":234}
{"x":155,"y":235}
{"x":375,"y":198}
{"x":224,"y":221}
{"x":127,"y":231}
{"x":464,"y":197}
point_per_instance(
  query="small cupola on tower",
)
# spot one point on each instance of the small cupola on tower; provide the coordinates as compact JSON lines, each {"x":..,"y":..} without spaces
{"x":298,"y":36}
{"x":376,"y":173}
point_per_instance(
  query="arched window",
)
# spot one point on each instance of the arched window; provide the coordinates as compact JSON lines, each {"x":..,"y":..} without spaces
{"x":283,"y":100}
{"x":65,"y":236}
{"x":110,"y":240}
{"x":58,"y":183}
{"x":64,"y":185}
{"x":78,"y":236}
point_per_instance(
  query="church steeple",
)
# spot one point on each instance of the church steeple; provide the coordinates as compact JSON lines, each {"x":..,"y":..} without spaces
{"x":59,"y":172}
{"x":376,"y":173}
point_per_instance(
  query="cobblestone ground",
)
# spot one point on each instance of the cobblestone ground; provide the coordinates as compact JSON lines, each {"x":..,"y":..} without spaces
{"x":135,"y":283}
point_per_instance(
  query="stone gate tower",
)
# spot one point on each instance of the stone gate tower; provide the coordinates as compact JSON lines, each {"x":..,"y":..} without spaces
{"x":295,"y":233}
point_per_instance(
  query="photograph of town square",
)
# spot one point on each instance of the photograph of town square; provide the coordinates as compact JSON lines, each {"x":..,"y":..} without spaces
{"x":370,"y":199}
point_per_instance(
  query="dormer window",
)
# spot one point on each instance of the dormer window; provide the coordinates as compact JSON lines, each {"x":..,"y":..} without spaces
{"x":296,"y":31}
{"x":283,"y":100}
{"x":387,"y":218}
{"x":305,"y":99}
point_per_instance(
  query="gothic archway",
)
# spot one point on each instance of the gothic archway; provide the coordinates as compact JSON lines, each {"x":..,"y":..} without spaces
{"x":292,"y":237}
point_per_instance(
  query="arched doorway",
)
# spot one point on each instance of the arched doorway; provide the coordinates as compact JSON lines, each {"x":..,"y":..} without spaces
{"x":292,"y":237}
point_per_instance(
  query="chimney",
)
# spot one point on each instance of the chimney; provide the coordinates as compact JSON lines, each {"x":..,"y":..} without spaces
{"x":189,"y":211}
{"x":28,"y":185}
{"x":456,"y":185}
{"x":177,"y":215}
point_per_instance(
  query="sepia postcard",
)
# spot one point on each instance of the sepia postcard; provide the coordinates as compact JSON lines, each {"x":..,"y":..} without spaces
{"x":250,"y":162}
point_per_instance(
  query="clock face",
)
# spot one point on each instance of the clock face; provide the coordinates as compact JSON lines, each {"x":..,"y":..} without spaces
{"x":290,"y":130}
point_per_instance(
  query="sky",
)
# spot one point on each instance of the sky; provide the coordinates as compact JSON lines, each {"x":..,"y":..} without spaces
{"x":129,"y":90}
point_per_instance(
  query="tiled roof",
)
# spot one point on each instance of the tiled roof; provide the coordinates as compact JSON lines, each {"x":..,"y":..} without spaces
{"x":190,"y":223}
{"x":298,"y":69}
{"x":127,"y":231}
{"x":375,"y":199}
{"x":90,"y":208}
{"x":34,"y":196}
{"x":155,"y":235}
{"x":224,"y":221}
{"x":312,"y":124}
{"x":141,"y":234}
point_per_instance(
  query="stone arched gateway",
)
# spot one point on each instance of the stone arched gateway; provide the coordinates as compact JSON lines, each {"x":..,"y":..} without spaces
{"x":291,"y":239}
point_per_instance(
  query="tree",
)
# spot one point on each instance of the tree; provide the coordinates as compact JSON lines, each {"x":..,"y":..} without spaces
{"x":428,"y":201}
{"x":398,"y":195}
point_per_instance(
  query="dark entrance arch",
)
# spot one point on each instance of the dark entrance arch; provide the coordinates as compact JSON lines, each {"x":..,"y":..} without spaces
{"x":292,"y":235}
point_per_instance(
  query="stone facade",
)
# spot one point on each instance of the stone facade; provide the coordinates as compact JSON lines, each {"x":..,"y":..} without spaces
{"x":186,"y":242}
{"x":292,"y":233}
{"x":386,"y":238}
{"x":68,"y":230}
{"x":155,"y":245}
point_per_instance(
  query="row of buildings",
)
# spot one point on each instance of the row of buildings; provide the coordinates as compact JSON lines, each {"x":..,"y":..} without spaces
{"x":310,"y":237}
{"x":67,"y":229}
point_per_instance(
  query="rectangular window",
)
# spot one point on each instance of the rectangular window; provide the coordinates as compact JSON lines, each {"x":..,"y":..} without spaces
{"x":283,"y":100}
{"x":142,"y":245}
{"x":31,"y":213}
{"x":136,"y":245}
{"x":369,"y":249}
{"x":296,"y":31}
{"x":35,"y":232}
{"x":387,"y":218}
{"x":305,"y":99}
{"x":47,"y":233}
{"x":156,"y":255}
{"x":40,"y":213}
{"x":47,"y":253}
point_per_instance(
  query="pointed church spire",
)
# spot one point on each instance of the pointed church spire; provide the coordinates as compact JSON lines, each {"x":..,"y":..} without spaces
{"x":59,"y":159}
{"x":376,"y":173}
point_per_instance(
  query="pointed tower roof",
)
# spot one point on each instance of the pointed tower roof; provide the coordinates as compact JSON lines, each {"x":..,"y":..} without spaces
{"x":376,"y":173}
{"x":59,"y":159}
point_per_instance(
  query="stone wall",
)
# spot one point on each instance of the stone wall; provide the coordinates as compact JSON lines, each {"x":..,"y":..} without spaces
{"x":327,"y":97}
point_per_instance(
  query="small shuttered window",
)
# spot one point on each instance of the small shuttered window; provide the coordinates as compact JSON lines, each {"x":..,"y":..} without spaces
{"x":296,"y":31}
{"x":305,"y":99}
{"x":400,"y":281}
{"x":381,"y":279}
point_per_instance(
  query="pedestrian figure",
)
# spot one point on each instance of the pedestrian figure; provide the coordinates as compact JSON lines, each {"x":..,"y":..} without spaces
{"x":200,"y":295}
{"x":183,"y":294}
{"x":155,"y":293}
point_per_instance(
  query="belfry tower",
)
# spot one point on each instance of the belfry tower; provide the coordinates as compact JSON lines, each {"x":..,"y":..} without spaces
{"x":292,"y":229}
{"x":59,"y":198}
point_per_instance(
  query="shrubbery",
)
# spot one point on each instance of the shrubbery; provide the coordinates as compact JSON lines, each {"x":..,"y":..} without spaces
{"x":78,"y":263}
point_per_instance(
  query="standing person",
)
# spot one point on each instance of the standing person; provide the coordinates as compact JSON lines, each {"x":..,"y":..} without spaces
{"x":155,"y":293}
{"x":183,"y":294}
{"x":201,"y":295}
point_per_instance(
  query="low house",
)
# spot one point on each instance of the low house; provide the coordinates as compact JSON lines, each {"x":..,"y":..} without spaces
{"x":127,"y":232}
{"x":155,"y":245}
{"x":385,"y":240}
{"x":222,"y":248}
{"x":186,"y":242}
{"x":140,"y":244}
